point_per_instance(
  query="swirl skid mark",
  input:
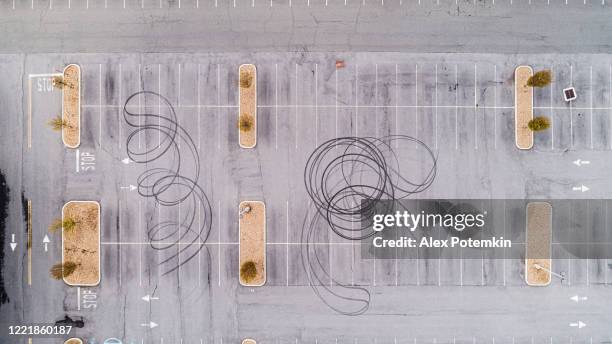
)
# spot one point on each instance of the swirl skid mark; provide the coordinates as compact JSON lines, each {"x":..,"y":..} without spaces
{"x":345,"y":179}
{"x":171,"y":179}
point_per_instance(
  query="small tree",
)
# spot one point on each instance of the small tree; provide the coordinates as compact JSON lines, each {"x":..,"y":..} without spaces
{"x":248,"y":271}
{"x":57,"y":123}
{"x":58,"y":82}
{"x":59,"y":270}
{"x":67,"y":224}
{"x":540,"y":79}
{"x":245,"y":122}
{"x":539,"y":123}
{"x":246,"y":79}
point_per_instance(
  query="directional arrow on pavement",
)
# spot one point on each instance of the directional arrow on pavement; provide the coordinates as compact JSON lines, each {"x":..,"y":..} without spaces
{"x":150,"y":325}
{"x":13,"y":243}
{"x":581,"y":162}
{"x":580,"y":188}
{"x":148,"y":298}
{"x":129,"y":187}
{"x":46,"y":241}
{"x":577,"y":298}
{"x":578,"y":324}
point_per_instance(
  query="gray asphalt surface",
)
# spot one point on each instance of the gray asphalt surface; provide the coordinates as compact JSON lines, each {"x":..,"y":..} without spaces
{"x":460,"y":105}
{"x":491,"y":26}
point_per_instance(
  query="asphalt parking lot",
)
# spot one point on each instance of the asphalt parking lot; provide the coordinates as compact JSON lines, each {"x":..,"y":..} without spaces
{"x":460,"y":105}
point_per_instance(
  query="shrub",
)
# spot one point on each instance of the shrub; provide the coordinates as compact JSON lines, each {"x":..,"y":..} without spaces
{"x":57,"y":123}
{"x":540,"y":79}
{"x":246,"y":79}
{"x":68,"y":225}
{"x":248,"y":271}
{"x":245,"y":122}
{"x":539,"y":123}
{"x":59,"y":271}
{"x":58,"y":81}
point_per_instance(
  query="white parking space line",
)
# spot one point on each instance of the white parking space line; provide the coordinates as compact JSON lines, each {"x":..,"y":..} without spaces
{"x":495,"y":107}
{"x":100,"y":103}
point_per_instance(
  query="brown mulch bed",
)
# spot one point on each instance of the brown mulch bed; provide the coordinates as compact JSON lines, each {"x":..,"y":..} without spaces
{"x":523,"y":107}
{"x":253,"y":240}
{"x":82,"y":243}
{"x":538,"y":243}
{"x":248,"y":104}
{"x":71,"y":114}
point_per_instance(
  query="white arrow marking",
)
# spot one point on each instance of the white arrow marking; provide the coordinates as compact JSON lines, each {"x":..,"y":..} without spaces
{"x":580,"y":188}
{"x":148,"y":298}
{"x":129,"y":187}
{"x":13,"y":243}
{"x":149,"y":325}
{"x":578,"y":324}
{"x":577,"y":298}
{"x":46,"y":241}
{"x":126,"y":161}
{"x":581,"y":162}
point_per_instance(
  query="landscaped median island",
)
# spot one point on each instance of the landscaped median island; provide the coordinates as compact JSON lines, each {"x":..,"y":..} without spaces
{"x":81,"y":243}
{"x":538,"y":244}
{"x":73,"y":341}
{"x":523,"y":107}
{"x":71,"y":105}
{"x":252,"y":246}
{"x":247,"y":111}
{"x":249,"y":341}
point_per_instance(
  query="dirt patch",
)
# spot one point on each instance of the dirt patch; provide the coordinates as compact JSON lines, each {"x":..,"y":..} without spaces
{"x":82,"y":243}
{"x":523,"y":107}
{"x":538,"y":243}
{"x":248,"y":105}
{"x":71,"y":108}
{"x":253,"y":240}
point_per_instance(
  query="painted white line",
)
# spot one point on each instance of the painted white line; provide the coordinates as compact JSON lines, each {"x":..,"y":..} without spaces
{"x":119,"y":100}
{"x":591,"y":117}
{"x":199,"y":109}
{"x":287,"y":239}
{"x":219,"y":238}
{"x":296,"y":107}
{"x":76,"y":160}
{"x":376,"y":99}
{"x":396,"y":103}
{"x":336,"y":104}
{"x":100,"y":102}
{"x":78,"y":298}
{"x":416,"y":100}
{"x":276,"y":106}
{"x":119,"y":236}
{"x":456,"y":108}
{"x":356,"y":100}
{"x":140,"y":253}
{"x":316,"y":104}
{"x":199,"y":242}
{"x":552,"y":117}
{"x":436,"y":109}
{"x":218,"y":110}
{"x":570,"y":107}
{"x":494,"y":106}
{"x":158,"y":107}
{"x":475,"y":107}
